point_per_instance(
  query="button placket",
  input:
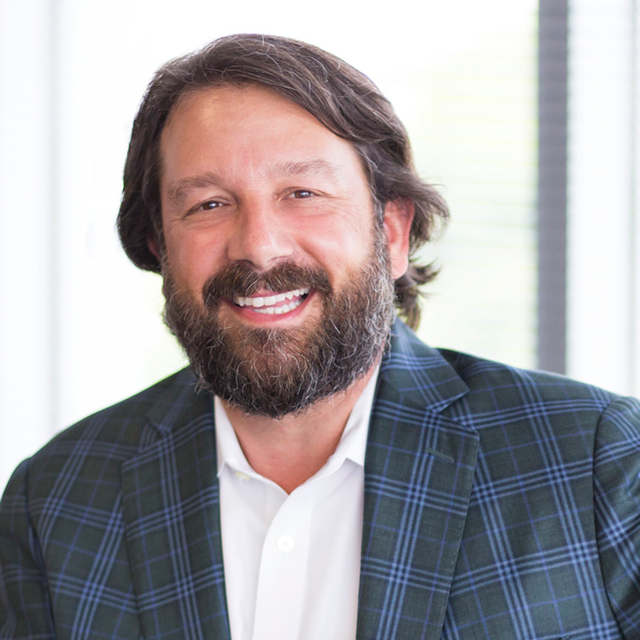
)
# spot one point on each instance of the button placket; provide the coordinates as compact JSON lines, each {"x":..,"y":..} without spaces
{"x":285,"y":543}
{"x":283,"y":569}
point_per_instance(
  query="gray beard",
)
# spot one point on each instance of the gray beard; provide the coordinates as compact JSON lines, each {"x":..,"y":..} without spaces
{"x":276,"y":372}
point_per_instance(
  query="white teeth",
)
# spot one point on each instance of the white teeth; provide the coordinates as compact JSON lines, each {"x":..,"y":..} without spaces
{"x":277,"y":311}
{"x":265,"y":303}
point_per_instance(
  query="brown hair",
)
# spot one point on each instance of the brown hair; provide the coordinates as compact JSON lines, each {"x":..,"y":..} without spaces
{"x":340,"y":97}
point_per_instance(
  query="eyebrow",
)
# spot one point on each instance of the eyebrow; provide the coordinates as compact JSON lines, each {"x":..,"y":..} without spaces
{"x":310,"y":167}
{"x":178,"y":190}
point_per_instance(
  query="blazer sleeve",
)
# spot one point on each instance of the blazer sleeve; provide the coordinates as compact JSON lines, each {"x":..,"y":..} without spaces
{"x":617,"y":510}
{"x":25,"y":608}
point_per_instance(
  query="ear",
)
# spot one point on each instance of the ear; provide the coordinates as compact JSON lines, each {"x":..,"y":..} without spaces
{"x":153,"y":247}
{"x":398,"y":217}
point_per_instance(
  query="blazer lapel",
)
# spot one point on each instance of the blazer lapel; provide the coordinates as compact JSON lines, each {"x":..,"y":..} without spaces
{"x":172,"y":522}
{"x":419,"y":470}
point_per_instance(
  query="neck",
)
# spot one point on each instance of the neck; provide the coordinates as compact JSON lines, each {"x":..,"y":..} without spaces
{"x":291,"y":449}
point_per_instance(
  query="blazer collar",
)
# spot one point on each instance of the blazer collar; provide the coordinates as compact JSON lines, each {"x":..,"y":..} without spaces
{"x":418,"y":374}
{"x":419,"y":471}
{"x":172,"y":518}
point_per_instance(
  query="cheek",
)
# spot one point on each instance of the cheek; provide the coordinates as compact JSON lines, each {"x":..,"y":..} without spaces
{"x":337,"y":244}
{"x":193,"y":260}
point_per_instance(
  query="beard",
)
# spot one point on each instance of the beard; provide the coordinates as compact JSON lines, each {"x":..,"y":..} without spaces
{"x":280,"y":371}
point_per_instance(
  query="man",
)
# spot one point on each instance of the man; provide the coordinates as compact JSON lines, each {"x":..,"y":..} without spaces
{"x":318,"y":472}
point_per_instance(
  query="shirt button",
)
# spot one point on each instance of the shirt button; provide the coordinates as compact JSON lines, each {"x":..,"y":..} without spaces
{"x":285,"y":543}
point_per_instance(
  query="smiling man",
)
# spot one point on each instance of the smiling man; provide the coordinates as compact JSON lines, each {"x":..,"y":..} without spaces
{"x":317,"y":473}
{"x":271,"y":250}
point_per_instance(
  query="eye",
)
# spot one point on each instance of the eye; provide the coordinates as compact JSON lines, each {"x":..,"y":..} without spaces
{"x":211,"y":204}
{"x":208,"y":205}
{"x":302,"y":193}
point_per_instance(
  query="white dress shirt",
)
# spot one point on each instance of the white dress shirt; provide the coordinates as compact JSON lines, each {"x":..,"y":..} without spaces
{"x":292,"y":562}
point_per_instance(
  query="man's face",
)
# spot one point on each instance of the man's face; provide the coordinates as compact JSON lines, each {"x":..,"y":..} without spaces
{"x":269,"y":236}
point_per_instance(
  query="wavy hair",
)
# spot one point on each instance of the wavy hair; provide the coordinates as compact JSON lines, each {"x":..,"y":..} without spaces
{"x":343,"y":99}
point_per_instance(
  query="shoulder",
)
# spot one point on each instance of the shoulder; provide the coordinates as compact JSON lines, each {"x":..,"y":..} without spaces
{"x":552,"y":408}
{"x":498,"y":380}
{"x":552,"y":402}
{"x":122,"y":420}
{"x":113,"y":434}
{"x":497,"y":394}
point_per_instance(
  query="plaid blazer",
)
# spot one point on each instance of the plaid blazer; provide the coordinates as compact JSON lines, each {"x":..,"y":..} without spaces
{"x":498,"y":504}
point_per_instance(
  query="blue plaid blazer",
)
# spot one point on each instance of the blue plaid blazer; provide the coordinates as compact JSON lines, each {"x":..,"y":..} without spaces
{"x":498,"y":504}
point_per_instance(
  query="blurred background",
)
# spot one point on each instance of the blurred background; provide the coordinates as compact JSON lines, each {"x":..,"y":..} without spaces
{"x":524,"y":113}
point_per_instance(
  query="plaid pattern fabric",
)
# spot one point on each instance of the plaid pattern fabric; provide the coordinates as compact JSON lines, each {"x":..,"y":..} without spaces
{"x":498,"y":504}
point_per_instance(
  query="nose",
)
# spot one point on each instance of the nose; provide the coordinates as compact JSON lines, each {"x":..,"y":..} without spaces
{"x":260,"y":235}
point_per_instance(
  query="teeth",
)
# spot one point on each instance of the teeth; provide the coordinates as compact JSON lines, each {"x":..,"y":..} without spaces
{"x":277,"y":311}
{"x":268,"y":301}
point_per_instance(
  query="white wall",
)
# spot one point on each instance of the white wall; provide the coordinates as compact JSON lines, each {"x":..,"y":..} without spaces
{"x":27,"y":230}
{"x":603,"y":294}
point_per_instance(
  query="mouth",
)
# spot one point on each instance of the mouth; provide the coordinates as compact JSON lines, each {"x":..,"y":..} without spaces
{"x":273,"y":303}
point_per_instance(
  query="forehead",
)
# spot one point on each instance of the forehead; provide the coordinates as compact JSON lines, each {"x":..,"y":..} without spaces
{"x":251,"y":120}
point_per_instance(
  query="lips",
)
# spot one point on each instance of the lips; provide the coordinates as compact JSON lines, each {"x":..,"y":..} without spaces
{"x":274,"y":304}
{"x":281,"y":290}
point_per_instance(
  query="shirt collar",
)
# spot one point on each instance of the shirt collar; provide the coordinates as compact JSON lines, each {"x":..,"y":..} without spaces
{"x":352,"y":445}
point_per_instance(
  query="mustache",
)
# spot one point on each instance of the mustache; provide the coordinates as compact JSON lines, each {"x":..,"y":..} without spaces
{"x":240,"y":279}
